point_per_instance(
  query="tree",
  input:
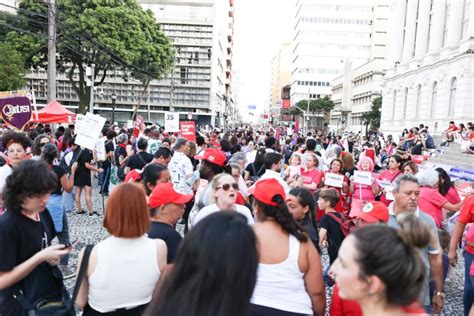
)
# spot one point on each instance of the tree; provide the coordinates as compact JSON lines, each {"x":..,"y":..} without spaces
{"x":372,"y":118}
{"x":115,"y":36}
{"x":12,"y":69}
{"x":317,"y":106}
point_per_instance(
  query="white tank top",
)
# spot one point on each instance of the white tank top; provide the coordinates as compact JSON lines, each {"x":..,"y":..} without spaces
{"x":281,"y":285}
{"x":125,"y":275}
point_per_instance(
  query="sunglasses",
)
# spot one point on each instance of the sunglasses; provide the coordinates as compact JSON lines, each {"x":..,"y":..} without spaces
{"x":226,"y":187}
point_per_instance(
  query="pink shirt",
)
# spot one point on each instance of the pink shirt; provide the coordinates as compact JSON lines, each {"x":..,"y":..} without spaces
{"x":364,"y":191}
{"x":431,"y":202}
{"x":470,"y":238}
{"x":452,"y":196}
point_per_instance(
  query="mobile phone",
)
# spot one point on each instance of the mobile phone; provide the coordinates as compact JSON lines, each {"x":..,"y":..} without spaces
{"x":71,"y":245}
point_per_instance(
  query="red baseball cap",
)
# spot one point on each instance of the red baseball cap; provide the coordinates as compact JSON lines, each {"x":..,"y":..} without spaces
{"x":265,"y":190}
{"x":212,"y":155}
{"x":164,"y":193}
{"x":370,"y":212}
{"x":133,"y":176}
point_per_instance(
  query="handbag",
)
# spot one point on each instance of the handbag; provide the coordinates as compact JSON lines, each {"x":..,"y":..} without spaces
{"x":47,"y":306}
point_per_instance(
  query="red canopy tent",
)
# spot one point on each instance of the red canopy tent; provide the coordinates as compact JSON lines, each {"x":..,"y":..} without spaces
{"x":54,"y":112}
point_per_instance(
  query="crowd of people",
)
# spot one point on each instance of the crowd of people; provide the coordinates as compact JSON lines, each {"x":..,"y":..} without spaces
{"x":260,"y":207}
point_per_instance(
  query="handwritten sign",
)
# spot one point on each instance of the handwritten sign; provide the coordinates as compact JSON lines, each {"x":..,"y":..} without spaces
{"x":171,"y":122}
{"x":79,"y":119}
{"x":388,"y":188}
{"x":89,"y":131}
{"x":333,"y":180}
{"x":100,"y":149}
{"x":363,"y":177}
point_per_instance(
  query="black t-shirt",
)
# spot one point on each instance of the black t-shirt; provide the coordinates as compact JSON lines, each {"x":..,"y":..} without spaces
{"x":119,"y":151}
{"x":109,"y":147}
{"x":334,"y":234}
{"x":168,"y":234}
{"x":59,"y":171}
{"x":313,"y":234}
{"x":140,"y":160}
{"x":85,"y":156}
{"x":20,"y":239}
{"x":255,"y":170}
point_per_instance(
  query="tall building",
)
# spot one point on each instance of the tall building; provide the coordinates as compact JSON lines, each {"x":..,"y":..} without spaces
{"x":328,"y":33}
{"x":430,"y":78}
{"x":281,"y":72}
{"x":200,"y":85}
{"x":354,"y":91}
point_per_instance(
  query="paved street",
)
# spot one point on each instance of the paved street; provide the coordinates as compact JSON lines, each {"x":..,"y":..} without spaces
{"x":89,"y":230}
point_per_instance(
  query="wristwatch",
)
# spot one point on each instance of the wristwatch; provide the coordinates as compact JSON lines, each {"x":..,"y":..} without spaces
{"x":437,"y":293}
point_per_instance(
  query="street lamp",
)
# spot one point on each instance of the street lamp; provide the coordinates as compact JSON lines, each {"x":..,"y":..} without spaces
{"x":114,"y":98}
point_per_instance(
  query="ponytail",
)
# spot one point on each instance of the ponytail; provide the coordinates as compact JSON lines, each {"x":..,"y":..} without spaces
{"x":283,"y":216}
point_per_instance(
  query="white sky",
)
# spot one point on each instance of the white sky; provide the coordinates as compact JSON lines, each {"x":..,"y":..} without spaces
{"x":260,"y":26}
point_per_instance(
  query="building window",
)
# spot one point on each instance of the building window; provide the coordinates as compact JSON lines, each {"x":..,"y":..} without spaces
{"x":405,"y":100}
{"x":394,"y":103}
{"x":433,"y":99}
{"x":452,"y":97}
{"x":418,"y":101}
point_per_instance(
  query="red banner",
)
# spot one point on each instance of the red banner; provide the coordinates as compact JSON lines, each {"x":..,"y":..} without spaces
{"x":286,"y":104}
{"x":188,"y":130}
{"x":137,"y":125}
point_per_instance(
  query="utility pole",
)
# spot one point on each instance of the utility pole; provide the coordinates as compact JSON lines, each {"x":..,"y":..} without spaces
{"x":51,"y":50}
{"x":91,"y":100}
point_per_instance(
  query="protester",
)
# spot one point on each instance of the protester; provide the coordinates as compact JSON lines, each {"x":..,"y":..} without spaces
{"x":256,"y":168}
{"x":154,"y":174}
{"x":28,"y":262}
{"x":310,"y":175}
{"x":162,"y":156}
{"x":390,"y":175}
{"x":124,"y":268}
{"x":447,"y":188}
{"x":386,"y":276}
{"x":406,"y":194}
{"x":273,"y":165}
{"x":293,"y":171}
{"x":410,"y":167}
{"x":336,"y":168}
{"x":330,"y":233}
{"x":289,"y":280}
{"x":141,"y":158}
{"x":214,"y":272}
{"x":38,"y":144}
{"x":166,"y":208}
{"x":300,"y":203}
{"x":362,"y":191}
{"x":224,"y":190}
{"x":430,"y":200}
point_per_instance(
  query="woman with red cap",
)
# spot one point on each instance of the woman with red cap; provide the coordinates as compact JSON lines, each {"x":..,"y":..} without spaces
{"x":289,"y":279}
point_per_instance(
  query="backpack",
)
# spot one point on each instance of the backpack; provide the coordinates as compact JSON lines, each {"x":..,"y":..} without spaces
{"x":256,"y":176}
{"x":346,"y":224}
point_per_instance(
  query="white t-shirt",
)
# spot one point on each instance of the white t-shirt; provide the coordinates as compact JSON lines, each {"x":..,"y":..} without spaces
{"x":5,"y":171}
{"x":213,"y":208}
{"x":180,"y":166}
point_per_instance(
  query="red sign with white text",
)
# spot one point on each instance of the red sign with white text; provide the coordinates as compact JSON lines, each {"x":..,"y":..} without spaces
{"x":188,"y":130}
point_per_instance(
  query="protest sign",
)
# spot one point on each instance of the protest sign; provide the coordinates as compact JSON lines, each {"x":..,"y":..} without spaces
{"x":388,"y":188}
{"x":363,"y":177}
{"x":188,"y":130}
{"x":89,"y":132}
{"x":333,"y":180}
{"x":100,"y":149}
{"x":138,"y":125}
{"x":171,"y":122}
{"x":16,"y":108}
{"x":79,"y":119}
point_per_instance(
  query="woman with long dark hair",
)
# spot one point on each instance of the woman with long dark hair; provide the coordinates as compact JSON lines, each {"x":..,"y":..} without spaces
{"x":289,"y":280}
{"x":257,"y":168}
{"x":446,"y":187}
{"x":301,"y":205}
{"x":214,"y":272}
{"x":389,"y":177}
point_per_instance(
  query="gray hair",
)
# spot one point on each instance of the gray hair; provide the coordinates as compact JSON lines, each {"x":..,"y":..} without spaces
{"x":428,"y":177}
{"x":404,"y":178}
{"x":236,"y":157}
{"x":122,"y":138}
{"x":180,"y":143}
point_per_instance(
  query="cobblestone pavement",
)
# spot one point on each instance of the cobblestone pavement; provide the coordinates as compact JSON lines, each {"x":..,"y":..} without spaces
{"x":89,"y":230}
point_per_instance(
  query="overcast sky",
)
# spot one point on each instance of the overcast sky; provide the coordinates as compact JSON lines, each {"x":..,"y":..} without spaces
{"x":260,"y":28}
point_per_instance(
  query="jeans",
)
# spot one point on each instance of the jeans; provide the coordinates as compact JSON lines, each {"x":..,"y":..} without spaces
{"x":68,"y":200}
{"x":104,"y":178}
{"x":468,"y":290}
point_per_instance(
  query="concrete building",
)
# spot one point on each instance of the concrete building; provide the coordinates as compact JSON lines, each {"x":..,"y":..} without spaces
{"x":327,"y":33}
{"x":430,"y":78}
{"x":200,"y":85}
{"x":9,"y":5}
{"x":281,"y":72}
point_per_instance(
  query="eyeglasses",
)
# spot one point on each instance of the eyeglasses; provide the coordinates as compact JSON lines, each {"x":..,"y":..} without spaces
{"x":227,"y":186}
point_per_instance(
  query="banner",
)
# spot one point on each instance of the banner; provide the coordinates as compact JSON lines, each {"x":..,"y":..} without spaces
{"x":90,"y":130}
{"x":16,"y":108}
{"x":363,"y":177}
{"x":137,"y":126}
{"x":171,"y":122}
{"x":188,"y":130}
{"x":79,"y":119}
{"x":333,"y":180}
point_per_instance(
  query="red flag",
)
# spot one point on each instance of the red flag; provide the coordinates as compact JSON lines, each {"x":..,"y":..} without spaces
{"x":137,"y":126}
{"x":286,"y":104}
{"x":297,"y":125}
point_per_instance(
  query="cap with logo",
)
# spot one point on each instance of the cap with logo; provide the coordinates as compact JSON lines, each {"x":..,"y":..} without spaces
{"x":370,"y":212}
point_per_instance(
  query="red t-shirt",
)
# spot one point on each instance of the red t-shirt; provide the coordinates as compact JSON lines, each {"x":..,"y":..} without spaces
{"x":452,"y":196}
{"x":466,"y":214}
{"x":431,"y":202}
{"x":313,"y":176}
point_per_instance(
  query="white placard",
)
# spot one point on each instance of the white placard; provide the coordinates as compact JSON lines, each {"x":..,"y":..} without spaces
{"x":90,"y":130}
{"x":363,"y":177}
{"x":172,"y":122}
{"x":289,"y":131}
{"x":79,"y":119}
{"x":388,"y":188}
{"x":334,"y":180}
{"x":100,"y":149}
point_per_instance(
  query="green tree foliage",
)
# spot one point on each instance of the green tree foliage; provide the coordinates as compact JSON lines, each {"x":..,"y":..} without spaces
{"x":114,"y":35}
{"x":12,"y":69}
{"x":372,"y":118}
{"x":317,"y":106}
